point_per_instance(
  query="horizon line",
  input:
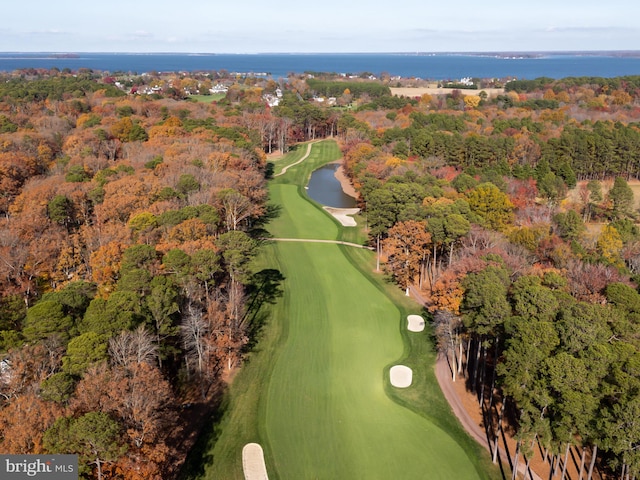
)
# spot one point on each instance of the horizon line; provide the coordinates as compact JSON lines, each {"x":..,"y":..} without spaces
{"x":399,"y":52}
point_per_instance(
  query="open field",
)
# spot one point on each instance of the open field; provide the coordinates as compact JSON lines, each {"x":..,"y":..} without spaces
{"x":573,"y":195}
{"x":413,"y":92}
{"x":208,"y":98}
{"x":315,"y":393}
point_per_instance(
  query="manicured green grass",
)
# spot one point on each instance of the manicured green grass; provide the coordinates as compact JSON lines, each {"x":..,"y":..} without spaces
{"x":327,"y":412}
{"x":214,"y":97}
{"x":321,"y":153}
{"x":315,"y":392}
{"x":295,"y":154}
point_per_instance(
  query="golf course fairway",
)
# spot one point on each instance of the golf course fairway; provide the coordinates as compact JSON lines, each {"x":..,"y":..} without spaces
{"x":320,"y":400}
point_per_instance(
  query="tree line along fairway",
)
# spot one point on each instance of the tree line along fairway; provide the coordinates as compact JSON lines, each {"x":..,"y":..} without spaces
{"x":320,"y":407}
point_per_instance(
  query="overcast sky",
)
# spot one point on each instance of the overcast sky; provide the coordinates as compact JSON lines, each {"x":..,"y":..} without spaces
{"x":249,"y":26}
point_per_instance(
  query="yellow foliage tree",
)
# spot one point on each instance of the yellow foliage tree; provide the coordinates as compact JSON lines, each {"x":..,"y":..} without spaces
{"x":426,"y":98}
{"x":610,"y":245}
{"x":620,"y":97}
{"x":472,"y":101}
{"x":393,"y":161}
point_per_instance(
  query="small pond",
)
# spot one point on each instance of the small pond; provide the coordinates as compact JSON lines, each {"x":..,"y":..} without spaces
{"x":325,"y":188}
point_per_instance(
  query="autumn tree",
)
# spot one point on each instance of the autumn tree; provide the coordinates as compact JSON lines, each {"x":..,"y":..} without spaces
{"x":610,"y":245}
{"x":408,"y":245}
{"x":491,"y":206}
{"x":236,"y":208}
{"x":129,"y":348}
{"x":23,"y":423}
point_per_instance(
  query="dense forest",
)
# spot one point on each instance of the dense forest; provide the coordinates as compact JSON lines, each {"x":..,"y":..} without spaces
{"x":128,"y":226}
{"x":129,"y":222}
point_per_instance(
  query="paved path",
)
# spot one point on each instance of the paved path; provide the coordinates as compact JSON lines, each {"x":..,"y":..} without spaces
{"x":443,"y":374}
{"x":312,"y":240}
{"x":305,"y":156}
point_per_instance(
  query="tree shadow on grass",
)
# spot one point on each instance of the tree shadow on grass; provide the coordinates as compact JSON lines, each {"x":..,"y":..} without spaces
{"x":205,"y":425}
{"x":268,"y":170}
{"x":257,"y":229}
{"x":265,"y":288}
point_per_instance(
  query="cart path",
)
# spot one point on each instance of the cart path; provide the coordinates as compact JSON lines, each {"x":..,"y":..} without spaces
{"x":304,"y":157}
{"x":313,"y":240}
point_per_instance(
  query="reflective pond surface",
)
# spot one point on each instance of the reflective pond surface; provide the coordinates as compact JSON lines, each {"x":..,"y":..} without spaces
{"x":325,"y":188}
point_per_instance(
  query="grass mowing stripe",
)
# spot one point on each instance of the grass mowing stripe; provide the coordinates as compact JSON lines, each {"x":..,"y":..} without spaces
{"x":295,"y":154}
{"x":424,"y":397}
{"x":304,"y":221}
{"x":345,"y":426}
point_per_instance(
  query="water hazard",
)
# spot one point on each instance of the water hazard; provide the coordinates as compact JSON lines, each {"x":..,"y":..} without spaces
{"x":325,"y":188}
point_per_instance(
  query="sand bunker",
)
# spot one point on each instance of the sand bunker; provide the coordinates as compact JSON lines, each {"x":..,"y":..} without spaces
{"x":401,"y":376}
{"x":342,"y":215}
{"x":416,"y":323}
{"x":253,"y":462}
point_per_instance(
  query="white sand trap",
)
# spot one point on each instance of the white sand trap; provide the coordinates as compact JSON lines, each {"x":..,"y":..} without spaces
{"x":401,"y":376}
{"x":253,"y":462}
{"x":342,"y":215}
{"x":416,"y":323}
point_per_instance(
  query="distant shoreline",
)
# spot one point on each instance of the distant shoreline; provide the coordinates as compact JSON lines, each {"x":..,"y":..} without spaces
{"x":494,"y":54}
{"x":449,"y":66}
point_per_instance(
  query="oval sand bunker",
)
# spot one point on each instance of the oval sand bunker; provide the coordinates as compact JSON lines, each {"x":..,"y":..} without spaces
{"x":415,"y":323}
{"x":253,"y":462}
{"x":400,"y":376}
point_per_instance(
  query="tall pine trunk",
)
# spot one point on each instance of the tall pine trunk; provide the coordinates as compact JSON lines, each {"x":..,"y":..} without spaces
{"x":497,"y":432}
{"x":582,"y":457}
{"x":593,"y":462}
{"x":483,"y":373}
{"x":527,"y":471}
{"x":515,"y":461}
{"x":493,"y":376}
{"x":566,"y":459}
{"x":476,"y":365}
{"x":433,"y":275}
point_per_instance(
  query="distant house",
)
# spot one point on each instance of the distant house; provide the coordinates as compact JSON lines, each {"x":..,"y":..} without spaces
{"x":219,"y":88}
{"x":271,"y":100}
